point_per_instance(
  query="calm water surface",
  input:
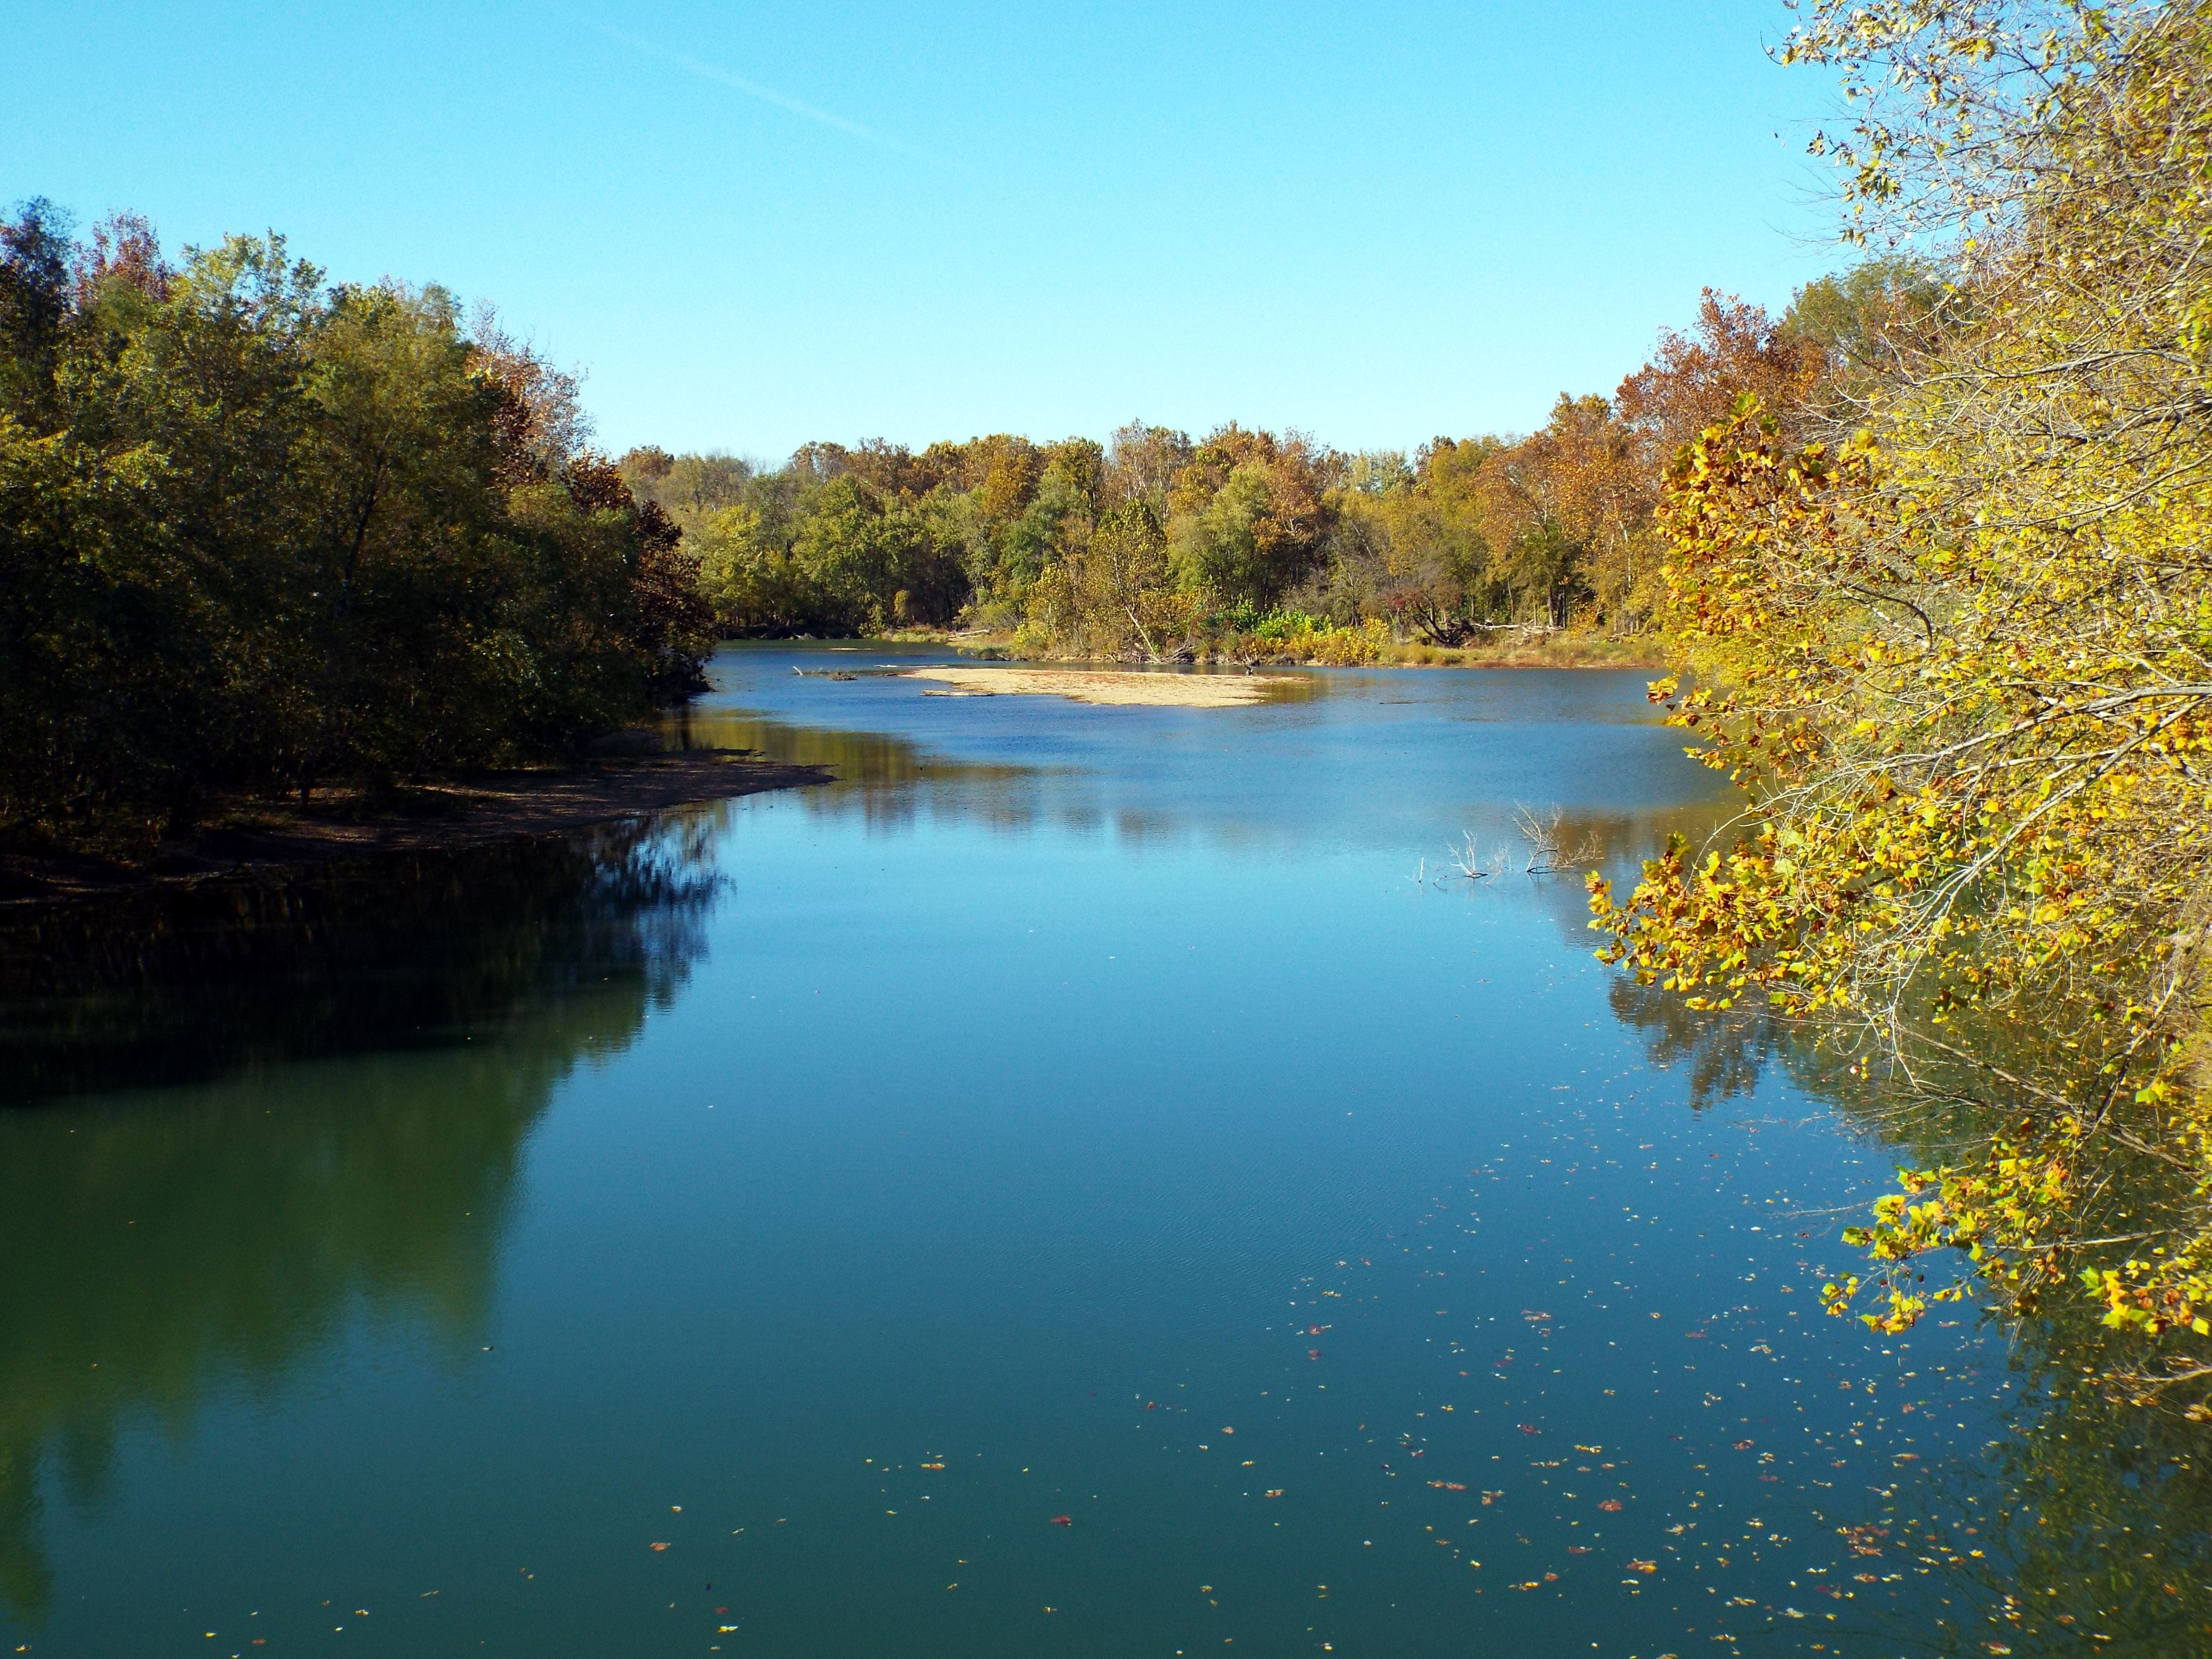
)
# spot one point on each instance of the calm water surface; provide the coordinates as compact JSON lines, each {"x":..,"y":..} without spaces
{"x":1064,"y":1188}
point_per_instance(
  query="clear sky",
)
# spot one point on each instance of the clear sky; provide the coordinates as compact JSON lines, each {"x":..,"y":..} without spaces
{"x":753,"y":225}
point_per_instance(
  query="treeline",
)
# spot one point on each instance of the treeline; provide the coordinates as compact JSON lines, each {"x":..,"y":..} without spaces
{"x":262,"y":533}
{"x":1951,"y":633}
{"x":265,"y":533}
{"x":1155,"y":546}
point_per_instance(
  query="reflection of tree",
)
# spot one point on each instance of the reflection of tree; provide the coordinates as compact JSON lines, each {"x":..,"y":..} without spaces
{"x":364,"y":955}
{"x":888,"y":780}
{"x":2092,"y":1513}
{"x":1724,"y":1055}
{"x":165,"y":1242}
{"x":2093,"y":1518}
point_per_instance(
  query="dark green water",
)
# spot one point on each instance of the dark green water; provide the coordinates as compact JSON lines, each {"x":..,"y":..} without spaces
{"x":1063,"y":1189}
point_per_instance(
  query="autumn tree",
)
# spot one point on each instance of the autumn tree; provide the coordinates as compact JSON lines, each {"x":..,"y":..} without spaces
{"x":1954,"y":653}
{"x":264,"y":532}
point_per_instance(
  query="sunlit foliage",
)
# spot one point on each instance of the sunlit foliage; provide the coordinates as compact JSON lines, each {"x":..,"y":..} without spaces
{"x":260,"y":531}
{"x":1244,"y":531}
{"x":1951,"y":631}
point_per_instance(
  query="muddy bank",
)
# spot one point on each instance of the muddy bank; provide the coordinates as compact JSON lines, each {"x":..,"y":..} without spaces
{"x":491,"y":807}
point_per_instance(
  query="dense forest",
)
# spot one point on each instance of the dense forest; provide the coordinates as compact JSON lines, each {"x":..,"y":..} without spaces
{"x":1949,"y":626}
{"x":1255,"y":544}
{"x":260,"y":531}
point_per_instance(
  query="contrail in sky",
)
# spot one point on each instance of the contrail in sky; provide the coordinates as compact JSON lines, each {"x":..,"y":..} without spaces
{"x":721,"y":76}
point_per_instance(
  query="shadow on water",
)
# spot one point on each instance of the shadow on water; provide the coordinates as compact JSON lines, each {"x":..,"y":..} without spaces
{"x":165,"y":1242}
{"x":888,"y":780}
{"x":2086,"y":1524}
{"x":394,"y":953}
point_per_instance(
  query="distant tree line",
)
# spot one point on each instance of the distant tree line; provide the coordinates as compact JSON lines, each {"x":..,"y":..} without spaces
{"x":1153,"y":544}
{"x":260,"y":531}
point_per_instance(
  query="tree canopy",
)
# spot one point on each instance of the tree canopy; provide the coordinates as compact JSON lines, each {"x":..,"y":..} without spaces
{"x":261,"y":530}
{"x":1245,"y":536}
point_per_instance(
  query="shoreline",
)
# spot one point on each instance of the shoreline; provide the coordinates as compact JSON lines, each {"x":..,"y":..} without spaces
{"x":260,"y":836}
{"x":1560,"y":651}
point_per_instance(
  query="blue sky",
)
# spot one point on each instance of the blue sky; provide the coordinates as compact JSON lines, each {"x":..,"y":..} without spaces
{"x":755,"y":225}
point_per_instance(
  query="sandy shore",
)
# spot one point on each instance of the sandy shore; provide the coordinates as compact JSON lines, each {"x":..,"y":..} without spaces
{"x":1101,"y":685}
{"x":492,"y":807}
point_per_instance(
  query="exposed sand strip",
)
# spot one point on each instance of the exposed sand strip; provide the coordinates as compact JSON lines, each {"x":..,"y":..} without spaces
{"x":1107,"y":686}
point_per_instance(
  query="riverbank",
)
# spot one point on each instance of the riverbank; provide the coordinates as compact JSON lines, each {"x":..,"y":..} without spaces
{"x":1503,"y":650}
{"x":247,"y":835}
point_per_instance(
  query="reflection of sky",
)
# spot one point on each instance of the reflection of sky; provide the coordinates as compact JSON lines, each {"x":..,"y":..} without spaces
{"x":1063,"y":1090}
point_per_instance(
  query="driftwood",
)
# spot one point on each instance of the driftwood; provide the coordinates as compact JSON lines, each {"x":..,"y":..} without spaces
{"x":1548,"y":853}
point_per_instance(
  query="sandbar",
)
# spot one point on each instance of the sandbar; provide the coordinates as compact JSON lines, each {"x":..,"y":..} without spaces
{"x":1108,"y":686}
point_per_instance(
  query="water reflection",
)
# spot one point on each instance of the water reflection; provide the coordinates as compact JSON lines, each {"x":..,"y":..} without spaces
{"x":1723,"y":1056}
{"x":167,"y":1242}
{"x":888,"y":780}
{"x":2088,"y":1519}
{"x":390,"y":952}
{"x":1360,"y":757}
{"x":2087,"y":1522}
{"x":962,"y":1149}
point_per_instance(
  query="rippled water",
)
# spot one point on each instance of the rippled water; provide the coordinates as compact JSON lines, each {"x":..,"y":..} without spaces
{"x":1066,"y":1187}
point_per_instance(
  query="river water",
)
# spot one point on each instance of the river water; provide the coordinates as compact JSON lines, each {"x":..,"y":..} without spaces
{"x":1088,"y":1182}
